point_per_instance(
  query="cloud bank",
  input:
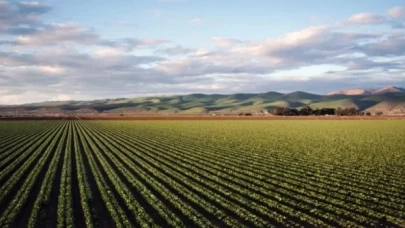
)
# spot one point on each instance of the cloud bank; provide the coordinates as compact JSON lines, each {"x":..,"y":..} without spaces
{"x":48,"y":61}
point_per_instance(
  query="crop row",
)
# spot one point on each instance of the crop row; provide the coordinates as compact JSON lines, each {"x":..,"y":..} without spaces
{"x":359,"y":207}
{"x":26,"y":189}
{"x":76,"y":173}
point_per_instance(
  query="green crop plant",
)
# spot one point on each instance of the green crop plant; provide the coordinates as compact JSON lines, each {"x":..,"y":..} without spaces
{"x":242,"y":173}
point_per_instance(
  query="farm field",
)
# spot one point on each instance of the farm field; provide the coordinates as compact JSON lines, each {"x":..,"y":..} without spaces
{"x":234,"y":173}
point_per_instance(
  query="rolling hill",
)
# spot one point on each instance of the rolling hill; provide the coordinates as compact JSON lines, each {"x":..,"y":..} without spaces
{"x":357,"y":91}
{"x":388,"y":100}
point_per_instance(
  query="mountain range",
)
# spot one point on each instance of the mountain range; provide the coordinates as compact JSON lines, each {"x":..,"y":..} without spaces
{"x":390,"y":100}
{"x":388,"y":89}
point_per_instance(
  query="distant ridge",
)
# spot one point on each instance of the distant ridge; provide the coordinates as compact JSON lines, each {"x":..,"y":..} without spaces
{"x":387,"y":89}
{"x":390,"y":100}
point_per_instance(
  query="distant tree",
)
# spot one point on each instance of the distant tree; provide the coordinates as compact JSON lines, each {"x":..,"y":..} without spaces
{"x":379,"y":113}
{"x":248,"y":114}
{"x":282,"y":111}
{"x":305,"y":111}
{"x":352,"y":111}
{"x":368,"y":114}
{"x":293,"y":112}
{"x":277,"y":111}
{"x":348,"y":112}
{"x":317,"y":112}
{"x":328,"y":111}
{"x":286,"y":111}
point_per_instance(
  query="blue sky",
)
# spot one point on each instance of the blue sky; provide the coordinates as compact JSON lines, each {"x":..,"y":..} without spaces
{"x":242,"y":19}
{"x":58,"y":50}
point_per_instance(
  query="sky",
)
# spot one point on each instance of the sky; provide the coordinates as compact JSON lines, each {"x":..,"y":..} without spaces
{"x":82,"y":50}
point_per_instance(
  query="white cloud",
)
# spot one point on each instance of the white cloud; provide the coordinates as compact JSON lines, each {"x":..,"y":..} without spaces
{"x":11,"y":99}
{"x":174,"y":50}
{"x":397,"y":12}
{"x":129,"y":44}
{"x":32,"y":96}
{"x":21,"y":13}
{"x":201,"y":52}
{"x":59,"y":33}
{"x":196,"y":20}
{"x":305,"y":34}
{"x":366,"y":18}
{"x":52,"y":70}
{"x":107,"y":52}
{"x":62,"y":97}
{"x":290,"y":42}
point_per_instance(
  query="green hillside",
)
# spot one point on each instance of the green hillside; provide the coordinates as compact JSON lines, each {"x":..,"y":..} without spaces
{"x":202,"y":103}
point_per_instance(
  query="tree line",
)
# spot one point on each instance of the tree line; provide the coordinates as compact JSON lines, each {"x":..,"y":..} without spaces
{"x":308,"y":111}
